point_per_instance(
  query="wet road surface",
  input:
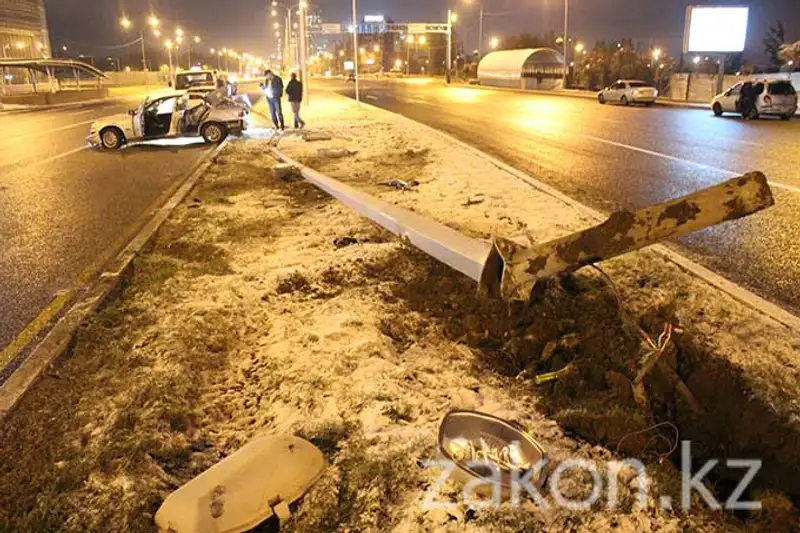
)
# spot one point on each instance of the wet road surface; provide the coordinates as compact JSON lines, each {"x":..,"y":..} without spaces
{"x":612,"y":157}
{"x":63,"y":206}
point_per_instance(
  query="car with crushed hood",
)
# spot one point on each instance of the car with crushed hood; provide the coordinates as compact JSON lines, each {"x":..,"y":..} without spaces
{"x":171,"y":115}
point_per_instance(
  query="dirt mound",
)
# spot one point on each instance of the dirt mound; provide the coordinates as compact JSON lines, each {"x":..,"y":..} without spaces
{"x":589,"y":352}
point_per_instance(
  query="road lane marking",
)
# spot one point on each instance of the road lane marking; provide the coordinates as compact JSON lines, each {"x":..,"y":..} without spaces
{"x":76,"y":113}
{"x":370,"y":97}
{"x":46,"y":160}
{"x":34,"y":327}
{"x":681,"y":160}
{"x":39,"y":133}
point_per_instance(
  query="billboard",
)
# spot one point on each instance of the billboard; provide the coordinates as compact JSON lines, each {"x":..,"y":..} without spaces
{"x":715,"y":29}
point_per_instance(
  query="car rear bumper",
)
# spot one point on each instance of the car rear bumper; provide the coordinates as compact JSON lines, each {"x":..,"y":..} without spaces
{"x":643,"y":99}
{"x":777,"y":110}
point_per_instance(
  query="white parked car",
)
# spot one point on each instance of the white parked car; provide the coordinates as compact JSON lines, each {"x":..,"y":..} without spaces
{"x":772,"y":98}
{"x":174,"y":114}
{"x":627,"y":92}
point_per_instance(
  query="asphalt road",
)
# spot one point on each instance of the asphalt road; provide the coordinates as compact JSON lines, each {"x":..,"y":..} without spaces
{"x":63,"y":207}
{"x":612,"y":157}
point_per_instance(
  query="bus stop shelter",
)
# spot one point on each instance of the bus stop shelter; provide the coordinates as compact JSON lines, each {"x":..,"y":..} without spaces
{"x":527,"y":68}
{"x":49,"y":81}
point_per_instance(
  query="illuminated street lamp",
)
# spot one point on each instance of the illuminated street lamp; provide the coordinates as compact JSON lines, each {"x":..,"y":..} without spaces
{"x":696,"y":60}
{"x":494,"y":43}
{"x":657,"y":53}
{"x":152,"y":20}
{"x":179,"y":32}
{"x":579,"y":47}
{"x":376,"y":48}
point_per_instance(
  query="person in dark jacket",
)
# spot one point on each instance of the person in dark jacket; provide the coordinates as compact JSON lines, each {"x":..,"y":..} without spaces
{"x":294,"y":91}
{"x":273,"y":90}
{"x":747,"y":99}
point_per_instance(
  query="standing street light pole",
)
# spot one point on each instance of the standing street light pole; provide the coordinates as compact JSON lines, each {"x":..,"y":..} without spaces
{"x":355,"y":49}
{"x":304,"y":48}
{"x":287,"y":46}
{"x":450,"y":20}
{"x":169,"y":45}
{"x":480,"y":26}
{"x":566,"y":44}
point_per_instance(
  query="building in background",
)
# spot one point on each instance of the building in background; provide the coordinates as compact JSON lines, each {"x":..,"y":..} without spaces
{"x":23,"y":29}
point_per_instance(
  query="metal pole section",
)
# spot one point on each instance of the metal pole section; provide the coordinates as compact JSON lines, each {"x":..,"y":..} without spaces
{"x":449,"y":44}
{"x":408,"y":55}
{"x":480,"y":34}
{"x":355,"y":48}
{"x":189,"y":55}
{"x":287,"y":41}
{"x":144,"y":57}
{"x":3,"y":81}
{"x":304,"y":48}
{"x":171,"y":73}
{"x":566,"y":43}
{"x":462,"y":253}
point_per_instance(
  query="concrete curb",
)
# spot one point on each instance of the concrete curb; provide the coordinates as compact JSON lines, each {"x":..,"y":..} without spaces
{"x":586,"y":95}
{"x":61,"y":338}
{"x":742,"y":295}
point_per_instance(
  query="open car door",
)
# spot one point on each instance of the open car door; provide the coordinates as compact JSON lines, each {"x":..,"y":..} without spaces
{"x":137,"y":121}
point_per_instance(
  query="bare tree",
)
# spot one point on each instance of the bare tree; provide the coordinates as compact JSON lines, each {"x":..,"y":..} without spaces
{"x":775,"y":38}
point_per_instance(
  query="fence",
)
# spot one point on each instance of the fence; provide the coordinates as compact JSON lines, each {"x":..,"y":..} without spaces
{"x":703,"y":87}
{"x":135,"y":78}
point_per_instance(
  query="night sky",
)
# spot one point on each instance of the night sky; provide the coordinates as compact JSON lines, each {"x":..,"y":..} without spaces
{"x":241,"y":24}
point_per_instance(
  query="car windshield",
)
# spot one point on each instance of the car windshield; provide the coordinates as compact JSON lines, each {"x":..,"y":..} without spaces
{"x":781,"y":88}
{"x":636,"y":84}
{"x":192,"y":79}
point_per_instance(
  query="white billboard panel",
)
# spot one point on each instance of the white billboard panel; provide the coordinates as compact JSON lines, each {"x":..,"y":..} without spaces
{"x":719,"y":29}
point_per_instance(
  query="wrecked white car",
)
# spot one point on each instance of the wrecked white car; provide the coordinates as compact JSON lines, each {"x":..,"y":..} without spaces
{"x":170,"y":115}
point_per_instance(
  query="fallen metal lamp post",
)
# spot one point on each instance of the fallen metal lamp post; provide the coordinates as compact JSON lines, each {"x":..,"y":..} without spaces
{"x":505,"y":268}
{"x":512,"y":270}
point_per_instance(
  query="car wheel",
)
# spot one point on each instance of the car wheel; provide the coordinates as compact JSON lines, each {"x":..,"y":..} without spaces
{"x":649,"y":104}
{"x":601,"y":99}
{"x":786,"y":117}
{"x":112,"y":138}
{"x":717,"y":109}
{"x":624,"y":100}
{"x":214,"y":132}
{"x":753,"y":115}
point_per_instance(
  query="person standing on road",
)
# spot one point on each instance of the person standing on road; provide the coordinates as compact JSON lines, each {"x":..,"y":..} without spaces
{"x":294,"y":91}
{"x":747,"y":100}
{"x":273,"y":89}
